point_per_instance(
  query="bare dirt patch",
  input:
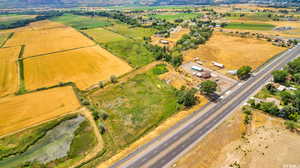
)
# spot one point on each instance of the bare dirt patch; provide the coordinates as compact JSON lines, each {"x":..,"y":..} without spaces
{"x":85,"y":67}
{"x":19,"y":112}
{"x":233,"y":52}
{"x":266,"y":143}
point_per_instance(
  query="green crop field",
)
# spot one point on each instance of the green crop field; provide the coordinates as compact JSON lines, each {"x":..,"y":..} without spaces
{"x":82,"y":22}
{"x":173,"y":17}
{"x":259,"y":16}
{"x":125,"y":42}
{"x":134,"y":52}
{"x":11,"y":18}
{"x":134,"y":108}
{"x":137,"y":33}
{"x":249,"y":26}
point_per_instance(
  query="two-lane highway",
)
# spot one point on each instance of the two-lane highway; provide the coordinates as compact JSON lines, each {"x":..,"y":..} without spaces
{"x":162,"y":151}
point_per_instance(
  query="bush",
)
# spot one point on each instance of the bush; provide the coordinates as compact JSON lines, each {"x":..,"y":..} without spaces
{"x":269,"y":107}
{"x":208,"y":87}
{"x":101,"y":84}
{"x":113,"y":79}
{"x":244,"y":72}
{"x":160,"y":69}
{"x":280,"y":76}
{"x":187,"y":97}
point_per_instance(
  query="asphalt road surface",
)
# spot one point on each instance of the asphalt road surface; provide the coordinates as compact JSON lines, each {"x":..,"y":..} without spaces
{"x":165,"y":149}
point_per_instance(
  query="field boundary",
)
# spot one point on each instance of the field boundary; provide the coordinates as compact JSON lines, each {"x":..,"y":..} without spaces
{"x":55,"y":52}
{"x":9,"y":37}
{"x":21,"y":75}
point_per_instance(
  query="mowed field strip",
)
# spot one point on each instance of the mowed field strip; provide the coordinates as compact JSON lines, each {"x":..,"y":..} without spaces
{"x":9,"y":70}
{"x":233,"y":51}
{"x":19,"y":112}
{"x":42,"y":39}
{"x":85,"y":67}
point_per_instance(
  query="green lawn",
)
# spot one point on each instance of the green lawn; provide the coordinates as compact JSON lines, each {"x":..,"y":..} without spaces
{"x":134,"y":107}
{"x":173,"y":17}
{"x":82,"y":22}
{"x":249,"y":26}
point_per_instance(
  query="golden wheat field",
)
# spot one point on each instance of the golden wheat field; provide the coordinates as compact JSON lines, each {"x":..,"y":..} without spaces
{"x":233,"y":51}
{"x":85,"y":67}
{"x":40,"y":40}
{"x":20,"y":112}
{"x":8,"y":70}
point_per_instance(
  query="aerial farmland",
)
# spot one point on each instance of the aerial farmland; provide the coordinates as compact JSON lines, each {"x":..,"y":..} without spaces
{"x":85,"y":86}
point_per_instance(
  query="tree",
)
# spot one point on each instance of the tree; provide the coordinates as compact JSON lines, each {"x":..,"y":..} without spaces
{"x":296,"y":78}
{"x":271,"y":88}
{"x":187,"y":97}
{"x":208,"y":87}
{"x":244,"y":72}
{"x":294,"y":66}
{"x":286,"y":97}
{"x":280,"y":76}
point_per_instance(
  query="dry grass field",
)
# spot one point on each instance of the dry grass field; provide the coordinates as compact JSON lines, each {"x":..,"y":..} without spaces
{"x":174,"y":37}
{"x":85,"y":67}
{"x":233,"y":52}
{"x":19,"y":112}
{"x":267,"y":142}
{"x":48,"y":38}
{"x":8,"y":70}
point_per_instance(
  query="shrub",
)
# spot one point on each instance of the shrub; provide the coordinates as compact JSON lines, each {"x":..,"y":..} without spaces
{"x":113,"y":79}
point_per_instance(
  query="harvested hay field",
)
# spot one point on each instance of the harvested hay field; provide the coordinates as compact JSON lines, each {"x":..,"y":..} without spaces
{"x":49,"y":40}
{"x":104,"y":36}
{"x":9,"y":70}
{"x":233,"y":52}
{"x":19,"y":112}
{"x":85,"y":67}
{"x":174,"y":37}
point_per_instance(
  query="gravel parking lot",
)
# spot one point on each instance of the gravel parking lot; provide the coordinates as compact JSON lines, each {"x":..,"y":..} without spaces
{"x":223,"y":81}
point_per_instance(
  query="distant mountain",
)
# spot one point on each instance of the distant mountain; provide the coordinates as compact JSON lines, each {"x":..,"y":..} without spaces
{"x":70,"y":3}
